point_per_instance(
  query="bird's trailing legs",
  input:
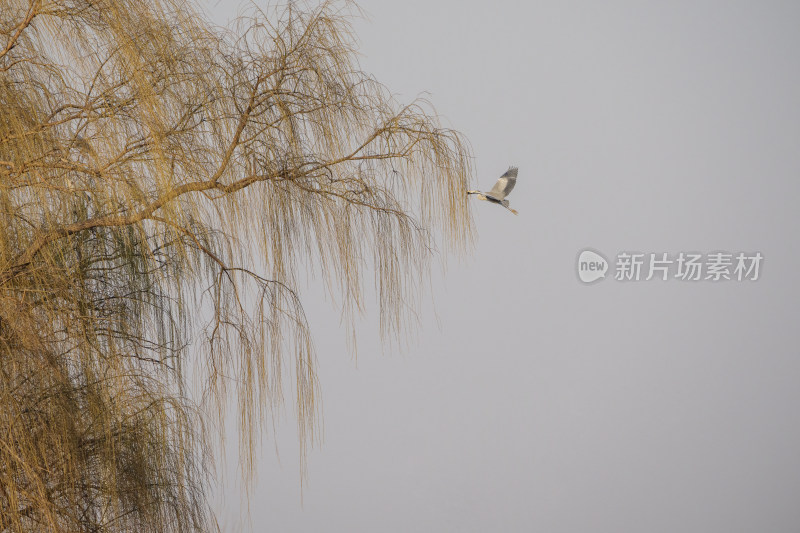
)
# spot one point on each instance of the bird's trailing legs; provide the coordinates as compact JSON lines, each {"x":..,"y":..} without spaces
{"x":482,"y":196}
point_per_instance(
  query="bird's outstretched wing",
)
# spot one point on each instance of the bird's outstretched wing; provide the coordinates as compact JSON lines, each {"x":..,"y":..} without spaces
{"x":504,"y":185}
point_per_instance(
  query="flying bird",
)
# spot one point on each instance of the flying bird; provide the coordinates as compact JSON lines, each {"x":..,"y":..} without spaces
{"x":500,"y":190}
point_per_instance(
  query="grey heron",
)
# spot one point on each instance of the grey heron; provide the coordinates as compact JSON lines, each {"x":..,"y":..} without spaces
{"x":500,"y":190}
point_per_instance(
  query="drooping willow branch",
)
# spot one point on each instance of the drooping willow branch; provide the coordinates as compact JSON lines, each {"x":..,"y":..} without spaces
{"x":163,"y":185}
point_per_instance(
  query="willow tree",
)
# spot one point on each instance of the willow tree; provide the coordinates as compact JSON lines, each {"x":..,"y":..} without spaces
{"x":163,"y":183}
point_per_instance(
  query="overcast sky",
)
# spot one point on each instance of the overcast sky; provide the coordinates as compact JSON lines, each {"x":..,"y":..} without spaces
{"x":539,"y":403}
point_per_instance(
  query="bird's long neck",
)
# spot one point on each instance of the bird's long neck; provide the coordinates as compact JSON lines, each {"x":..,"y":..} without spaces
{"x":474,"y":192}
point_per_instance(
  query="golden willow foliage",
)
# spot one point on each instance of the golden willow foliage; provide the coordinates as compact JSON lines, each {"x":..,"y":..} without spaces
{"x":162,"y":183}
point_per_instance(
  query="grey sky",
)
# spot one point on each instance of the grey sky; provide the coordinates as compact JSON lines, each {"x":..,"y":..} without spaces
{"x":537,"y":403}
